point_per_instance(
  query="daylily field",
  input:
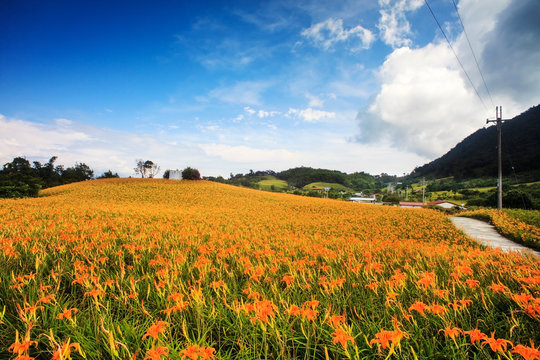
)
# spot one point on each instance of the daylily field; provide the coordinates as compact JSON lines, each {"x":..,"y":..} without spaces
{"x":156,"y":269}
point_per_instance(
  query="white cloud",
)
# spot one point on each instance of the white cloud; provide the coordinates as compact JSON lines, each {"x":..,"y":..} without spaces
{"x":229,"y":150}
{"x":424,"y":105}
{"x":243,"y":92}
{"x":261,"y":114}
{"x":310,"y":115}
{"x":63,"y":122}
{"x":314,"y":101}
{"x":209,"y":128}
{"x":393,"y":25}
{"x":427,"y":105}
{"x":246,"y":154}
{"x":327,"y":33}
{"x":101,"y":149}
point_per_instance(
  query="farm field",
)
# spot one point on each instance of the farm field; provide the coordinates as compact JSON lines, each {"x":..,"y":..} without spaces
{"x":156,"y":269}
{"x":278,"y":185}
{"x":322,"y":185}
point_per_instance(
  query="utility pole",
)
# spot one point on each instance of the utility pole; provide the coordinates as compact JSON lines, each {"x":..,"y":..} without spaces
{"x":423,"y":191}
{"x":499,"y":120}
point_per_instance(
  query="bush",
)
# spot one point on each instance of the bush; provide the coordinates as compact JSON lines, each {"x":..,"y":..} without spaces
{"x":190,"y":173}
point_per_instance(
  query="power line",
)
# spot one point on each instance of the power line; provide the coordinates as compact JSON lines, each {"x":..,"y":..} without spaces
{"x":457,"y":58}
{"x":472,"y":51}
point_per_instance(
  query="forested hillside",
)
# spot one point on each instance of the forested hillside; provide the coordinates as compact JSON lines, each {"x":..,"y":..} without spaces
{"x":476,"y":155}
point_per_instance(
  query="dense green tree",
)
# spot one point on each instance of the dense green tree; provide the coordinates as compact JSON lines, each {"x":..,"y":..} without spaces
{"x":19,"y":179}
{"x":190,"y":173}
{"x":108,"y":174}
{"x":80,"y":172}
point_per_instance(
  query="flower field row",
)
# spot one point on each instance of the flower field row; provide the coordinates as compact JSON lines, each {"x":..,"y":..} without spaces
{"x":156,"y":269}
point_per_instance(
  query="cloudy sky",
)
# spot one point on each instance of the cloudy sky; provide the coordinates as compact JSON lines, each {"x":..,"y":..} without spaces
{"x":229,"y":86}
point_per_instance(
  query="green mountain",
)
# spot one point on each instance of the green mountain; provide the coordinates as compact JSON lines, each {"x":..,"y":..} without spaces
{"x":476,"y":155}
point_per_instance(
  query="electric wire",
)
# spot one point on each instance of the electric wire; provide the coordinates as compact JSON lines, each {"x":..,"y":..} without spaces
{"x":455,"y":54}
{"x":473,"y":54}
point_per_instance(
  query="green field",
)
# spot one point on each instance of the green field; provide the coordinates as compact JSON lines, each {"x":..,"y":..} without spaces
{"x":333,"y":186}
{"x":269,"y":181}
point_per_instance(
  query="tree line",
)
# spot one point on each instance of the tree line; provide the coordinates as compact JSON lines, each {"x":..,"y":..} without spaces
{"x":19,"y":178}
{"x":301,"y":176}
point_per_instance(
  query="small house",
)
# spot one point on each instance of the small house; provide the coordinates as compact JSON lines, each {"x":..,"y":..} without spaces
{"x":410,"y":204}
{"x":444,"y":204}
{"x":364,"y":200}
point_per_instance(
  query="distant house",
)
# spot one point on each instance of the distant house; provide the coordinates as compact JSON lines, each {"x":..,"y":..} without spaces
{"x":364,"y":200}
{"x":409,"y":204}
{"x":175,"y":175}
{"x":316,"y":189}
{"x":444,"y":204}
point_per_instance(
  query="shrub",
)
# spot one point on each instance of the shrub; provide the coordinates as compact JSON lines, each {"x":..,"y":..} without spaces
{"x":190,"y":173}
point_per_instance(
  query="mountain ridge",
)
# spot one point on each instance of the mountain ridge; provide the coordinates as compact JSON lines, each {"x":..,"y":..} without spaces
{"x":476,"y":155}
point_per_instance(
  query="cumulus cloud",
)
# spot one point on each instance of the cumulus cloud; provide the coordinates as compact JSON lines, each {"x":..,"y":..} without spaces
{"x":426,"y":104}
{"x":423,"y":106}
{"x":311,"y":115}
{"x":393,"y":25}
{"x":327,"y":33}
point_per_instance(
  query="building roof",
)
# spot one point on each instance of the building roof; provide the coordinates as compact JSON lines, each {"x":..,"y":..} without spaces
{"x":437,"y":202}
{"x":409,"y":203}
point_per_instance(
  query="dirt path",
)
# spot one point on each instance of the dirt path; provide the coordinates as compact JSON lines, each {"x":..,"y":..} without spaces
{"x":486,"y":234}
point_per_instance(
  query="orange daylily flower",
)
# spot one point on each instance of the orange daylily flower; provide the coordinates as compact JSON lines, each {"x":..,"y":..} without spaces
{"x":451,"y":332}
{"x":527,"y":352}
{"x":496,"y":345}
{"x":342,"y":337}
{"x":64,"y":352}
{"x":67,"y":314}
{"x":475,"y":335}
{"x":155,"y":353}
{"x":156,"y":329}
{"x":420,"y":307}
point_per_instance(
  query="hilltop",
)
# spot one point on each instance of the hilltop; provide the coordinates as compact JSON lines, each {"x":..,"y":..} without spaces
{"x":476,"y":155}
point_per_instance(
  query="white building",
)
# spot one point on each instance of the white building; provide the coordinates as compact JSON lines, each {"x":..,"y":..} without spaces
{"x":175,"y":175}
{"x":365,"y":200}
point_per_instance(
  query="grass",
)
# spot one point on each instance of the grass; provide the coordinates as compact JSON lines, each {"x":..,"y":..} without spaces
{"x":155,"y":269}
{"x":483,"y":189}
{"x":322,"y":185}
{"x":270,"y":181}
{"x":531,"y":217}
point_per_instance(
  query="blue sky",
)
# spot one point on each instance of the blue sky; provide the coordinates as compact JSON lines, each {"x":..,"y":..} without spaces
{"x":229,"y":86}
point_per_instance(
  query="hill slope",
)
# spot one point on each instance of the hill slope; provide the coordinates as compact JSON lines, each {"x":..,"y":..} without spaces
{"x":476,"y":155}
{"x":139,"y":268}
